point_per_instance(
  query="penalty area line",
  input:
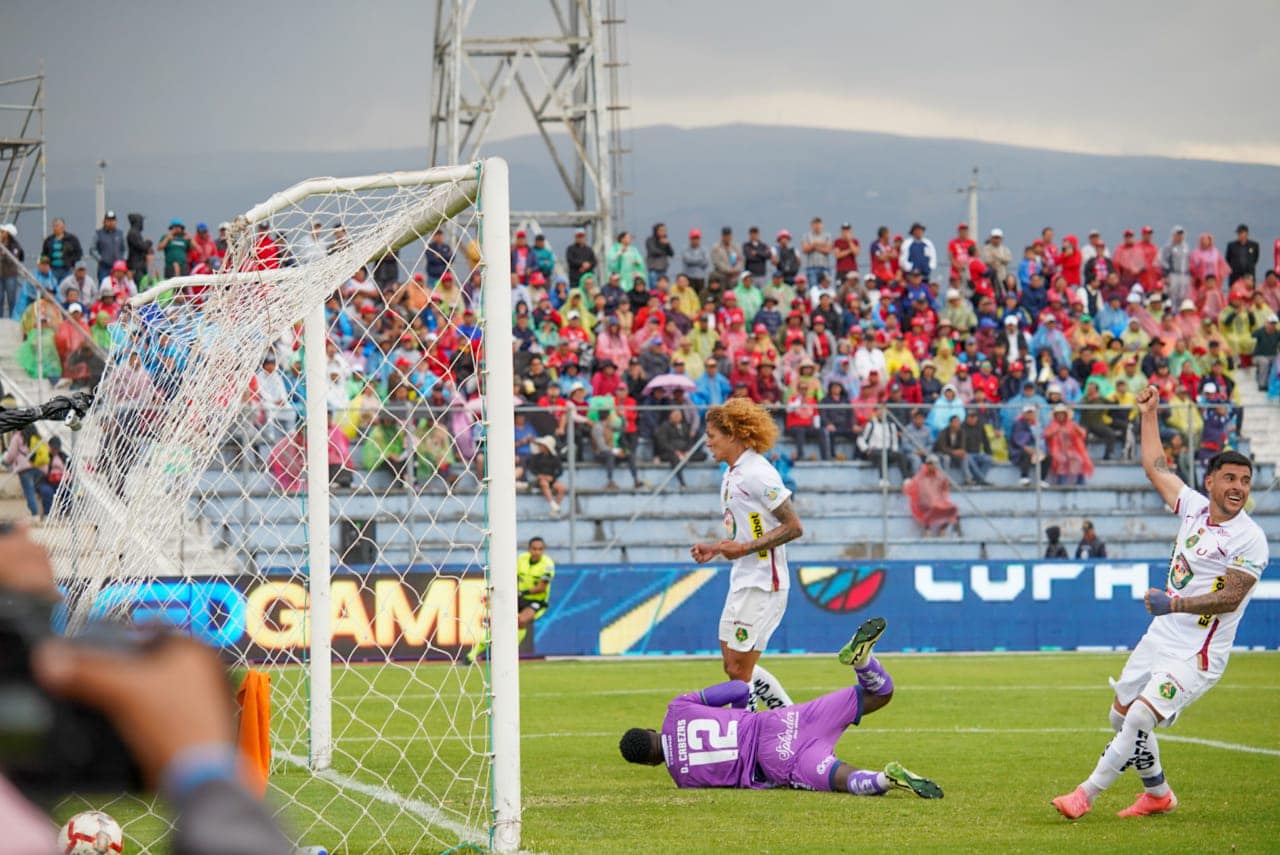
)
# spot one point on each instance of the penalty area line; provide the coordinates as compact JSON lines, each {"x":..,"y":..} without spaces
{"x":429,"y":814}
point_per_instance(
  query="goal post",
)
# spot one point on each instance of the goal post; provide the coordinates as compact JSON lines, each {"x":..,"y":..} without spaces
{"x":313,"y":468}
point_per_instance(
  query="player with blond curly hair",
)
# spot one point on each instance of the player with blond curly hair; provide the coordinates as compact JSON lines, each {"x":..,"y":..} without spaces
{"x":759,"y":520}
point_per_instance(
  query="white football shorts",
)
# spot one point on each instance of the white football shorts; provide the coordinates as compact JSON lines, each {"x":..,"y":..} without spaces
{"x":750,"y":617}
{"x":1170,"y":682}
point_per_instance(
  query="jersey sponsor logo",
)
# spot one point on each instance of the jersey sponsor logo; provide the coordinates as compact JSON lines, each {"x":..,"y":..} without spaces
{"x":1245,"y":564}
{"x":1168,"y":690}
{"x":840,"y":589}
{"x":790,"y":726}
{"x":757,"y":531}
{"x":1194,"y":539}
{"x":772,"y":494}
{"x":730,"y":525}
{"x":740,"y":633}
{"x":1218,"y":584}
{"x":826,"y":764}
{"x":1179,"y":573}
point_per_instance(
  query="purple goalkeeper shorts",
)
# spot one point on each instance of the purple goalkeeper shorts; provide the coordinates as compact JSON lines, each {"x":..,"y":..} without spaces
{"x":796,"y":744}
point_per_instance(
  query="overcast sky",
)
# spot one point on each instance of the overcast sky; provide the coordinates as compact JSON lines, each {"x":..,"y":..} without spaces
{"x":1178,"y":77}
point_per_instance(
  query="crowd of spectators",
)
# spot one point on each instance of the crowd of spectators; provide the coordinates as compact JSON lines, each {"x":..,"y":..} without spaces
{"x":889,"y":350}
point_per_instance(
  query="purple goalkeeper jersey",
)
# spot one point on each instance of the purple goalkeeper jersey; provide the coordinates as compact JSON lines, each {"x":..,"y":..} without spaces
{"x":710,"y":746}
{"x":707,"y":745}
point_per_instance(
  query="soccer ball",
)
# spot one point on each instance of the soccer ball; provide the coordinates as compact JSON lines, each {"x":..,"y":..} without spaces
{"x":91,"y":833}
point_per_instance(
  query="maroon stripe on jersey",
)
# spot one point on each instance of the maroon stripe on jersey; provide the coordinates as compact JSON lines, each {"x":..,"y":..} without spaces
{"x":773,"y":567}
{"x":1203,"y":654}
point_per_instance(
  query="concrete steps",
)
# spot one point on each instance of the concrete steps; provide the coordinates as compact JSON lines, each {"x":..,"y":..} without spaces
{"x":1261,"y":421}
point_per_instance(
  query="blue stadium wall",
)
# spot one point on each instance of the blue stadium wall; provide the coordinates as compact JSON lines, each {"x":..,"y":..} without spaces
{"x":934,"y":606}
{"x":663,"y":609}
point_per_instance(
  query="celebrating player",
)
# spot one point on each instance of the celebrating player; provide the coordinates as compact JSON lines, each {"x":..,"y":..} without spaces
{"x":760,"y":520}
{"x":705,"y":745}
{"x":1217,"y":558}
{"x":534,"y":572}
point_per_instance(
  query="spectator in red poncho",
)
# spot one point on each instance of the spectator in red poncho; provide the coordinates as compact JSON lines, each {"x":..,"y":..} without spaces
{"x":911,"y":392}
{"x":743,"y":373}
{"x":1206,"y":261}
{"x":870,"y":396}
{"x":884,"y":257}
{"x":1129,"y":260}
{"x":1065,"y":442}
{"x":606,"y":380}
{"x":266,"y":252}
{"x":1071,"y":262}
{"x":929,"y":492}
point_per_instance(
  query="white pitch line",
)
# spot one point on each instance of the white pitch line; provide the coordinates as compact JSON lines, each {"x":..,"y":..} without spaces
{"x":1213,"y":743}
{"x":427,"y":813}
{"x":1100,"y":687}
{"x":955,"y":731}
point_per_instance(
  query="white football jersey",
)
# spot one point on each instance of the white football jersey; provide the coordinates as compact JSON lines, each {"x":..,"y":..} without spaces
{"x":749,"y":493}
{"x":1201,"y":556}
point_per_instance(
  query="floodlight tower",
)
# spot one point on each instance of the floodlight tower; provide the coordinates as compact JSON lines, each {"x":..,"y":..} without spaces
{"x":22,"y":162}
{"x":567,"y":80}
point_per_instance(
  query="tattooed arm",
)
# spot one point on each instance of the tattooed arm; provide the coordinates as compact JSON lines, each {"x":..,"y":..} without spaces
{"x":1227,"y":598}
{"x":1161,"y":476}
{"x":789,"y":528}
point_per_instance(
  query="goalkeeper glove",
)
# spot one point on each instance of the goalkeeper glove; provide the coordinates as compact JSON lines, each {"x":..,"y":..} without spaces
{"x":1158,"y":602}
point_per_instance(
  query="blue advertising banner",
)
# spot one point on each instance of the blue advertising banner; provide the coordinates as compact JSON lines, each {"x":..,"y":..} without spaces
{"x":409,"y":613}
{"x":932,"y":606}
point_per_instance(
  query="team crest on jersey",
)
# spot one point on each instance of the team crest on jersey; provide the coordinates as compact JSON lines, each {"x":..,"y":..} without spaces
{"x":1168,"y":690}
{"x":1179,"y":573}
{"x":772,"y":494}
{"x":1193,"y":540}
{"x":740,"y":633}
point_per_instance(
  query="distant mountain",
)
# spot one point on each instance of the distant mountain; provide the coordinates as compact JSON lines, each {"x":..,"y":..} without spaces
{"x":750,"y":174}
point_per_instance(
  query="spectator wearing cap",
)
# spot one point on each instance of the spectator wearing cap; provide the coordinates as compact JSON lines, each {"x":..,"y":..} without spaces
{"x":996,"y":255}
{"x":1265,"y":343}
{"x":203,"y":247}
{"x":769,"y":317}
{"x":1048,"y":337}
{"x":868,"y":358}
{"x":748,"y":294}
{"x":695,"y":262}
{"x":1174,"y":263}
{"x":1150,"y":275}
{"x":726,"y":261}
{"x":544,"y":257}
{"x":918,"y":254}
{"x":657,"y":253}
{"x":756,"y":255}
{"x":816,"y":249}
{"x":1242,"y":255}
{"x":63,"y":249}
{"x":786,"y":260}
{"x":1026,"y":445}
{"x":884,"y":258}
{"x":176,"y":245}
{"x":1066,"y":447}
{"x":959,"y":311}
{"x":820,"y":342}
{"x":75,"y":286}
{"x":1130,"y":260}
{"x":108,"y":245}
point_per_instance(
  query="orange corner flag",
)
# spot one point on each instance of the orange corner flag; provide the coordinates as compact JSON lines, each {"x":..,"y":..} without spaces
{"x":254,"y":739}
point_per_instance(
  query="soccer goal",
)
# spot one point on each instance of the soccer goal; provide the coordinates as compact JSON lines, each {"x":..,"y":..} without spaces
{"x":312,"y":469}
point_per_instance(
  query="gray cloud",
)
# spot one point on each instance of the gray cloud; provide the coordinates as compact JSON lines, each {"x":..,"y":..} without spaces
{"x":1176,"y":77}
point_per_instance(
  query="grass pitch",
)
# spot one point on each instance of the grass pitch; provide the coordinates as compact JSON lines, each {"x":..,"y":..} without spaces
{"x":1002,"y":734}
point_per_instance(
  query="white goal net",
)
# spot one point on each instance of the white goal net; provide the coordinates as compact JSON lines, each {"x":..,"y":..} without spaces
{"x":304,"y":457}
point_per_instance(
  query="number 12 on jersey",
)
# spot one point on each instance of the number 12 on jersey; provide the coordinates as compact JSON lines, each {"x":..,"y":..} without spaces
{"x":723,"y":745}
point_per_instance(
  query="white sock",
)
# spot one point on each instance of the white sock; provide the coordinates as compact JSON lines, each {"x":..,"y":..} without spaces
{"x":1131,"y":746}
{"x":766,"y":692}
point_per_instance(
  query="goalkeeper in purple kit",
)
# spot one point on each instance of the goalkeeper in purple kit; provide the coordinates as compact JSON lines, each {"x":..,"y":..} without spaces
{"x":710,"y":738}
